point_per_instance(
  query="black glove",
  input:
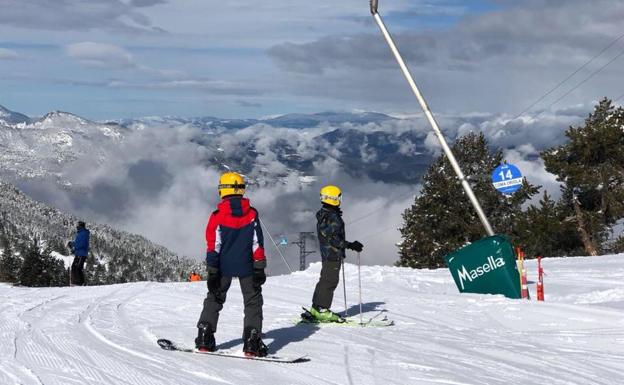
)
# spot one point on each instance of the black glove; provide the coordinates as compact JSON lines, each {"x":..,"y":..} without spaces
{"x":355,"y":246}
{"x":259,"y":277}
{"x":214,"y":282}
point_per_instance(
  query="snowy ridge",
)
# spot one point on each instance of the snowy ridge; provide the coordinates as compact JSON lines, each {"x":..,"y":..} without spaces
{"x":45,"y":147}
{"x":107,"y":334}
{"x":266,"y":149}
{"x":8,"y":117}
{"x":58,"y":118}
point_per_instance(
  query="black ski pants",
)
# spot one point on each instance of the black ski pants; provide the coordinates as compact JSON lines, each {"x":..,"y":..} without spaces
{"x":252,"y":299}
{"x":324,"y":291}
{"x":77,"y":271}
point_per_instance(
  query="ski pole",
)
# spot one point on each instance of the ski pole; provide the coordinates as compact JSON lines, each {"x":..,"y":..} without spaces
{"x":431,"y":119}
{"x":344,"y":289}
{"x":360,"y":287}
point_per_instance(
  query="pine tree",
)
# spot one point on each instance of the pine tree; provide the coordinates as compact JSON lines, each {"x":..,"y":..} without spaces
{"x":591,"y":167}
{"x":99,"y":275}
{"x":547,"y":232}
{"x":54,"y":273}
{"x":617,"y":246}
{"x":89,"y":269}
{"x":442,"y":218}
{"x":95,"y":272}
{"x":39,"y":268}
{"x":32,"y":268}
{"x":9,"y":265}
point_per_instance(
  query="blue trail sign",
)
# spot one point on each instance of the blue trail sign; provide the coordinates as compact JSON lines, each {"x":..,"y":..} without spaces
{"x":507,"y":178}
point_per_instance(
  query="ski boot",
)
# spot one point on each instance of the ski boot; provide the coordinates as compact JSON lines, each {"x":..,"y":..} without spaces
{"x":205,"y":341}
{"x":306,"y":316}
{"x":254,"y":347}
{"x":323,"y":315}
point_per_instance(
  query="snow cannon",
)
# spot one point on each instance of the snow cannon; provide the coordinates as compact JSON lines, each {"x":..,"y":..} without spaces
{"x":373,"y":6}
{"x":487,"y":266}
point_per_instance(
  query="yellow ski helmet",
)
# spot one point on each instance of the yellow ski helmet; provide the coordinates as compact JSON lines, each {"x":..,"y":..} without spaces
{"x":331,"y":195}
{"x":231,"y":183}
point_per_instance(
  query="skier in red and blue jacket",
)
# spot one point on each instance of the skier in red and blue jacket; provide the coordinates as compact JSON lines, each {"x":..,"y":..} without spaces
{"x":235,"y":248}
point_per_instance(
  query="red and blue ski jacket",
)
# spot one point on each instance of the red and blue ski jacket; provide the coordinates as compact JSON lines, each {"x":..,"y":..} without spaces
{"x":234,"y":238}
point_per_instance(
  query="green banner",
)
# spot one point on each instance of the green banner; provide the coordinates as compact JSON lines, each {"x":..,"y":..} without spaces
{"x":487,"y":266}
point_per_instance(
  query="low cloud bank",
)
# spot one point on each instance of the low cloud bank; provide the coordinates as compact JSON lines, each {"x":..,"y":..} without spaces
{"x":161,"y":181}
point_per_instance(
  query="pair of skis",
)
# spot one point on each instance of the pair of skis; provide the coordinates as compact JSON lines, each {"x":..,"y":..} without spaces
{"x":379,"y":319}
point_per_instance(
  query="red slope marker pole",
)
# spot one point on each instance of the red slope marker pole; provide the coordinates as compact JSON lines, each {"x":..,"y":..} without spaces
{"x":540,"y":280}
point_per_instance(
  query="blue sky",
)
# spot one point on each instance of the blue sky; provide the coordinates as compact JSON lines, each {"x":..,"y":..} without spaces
{"x":106,"y":59}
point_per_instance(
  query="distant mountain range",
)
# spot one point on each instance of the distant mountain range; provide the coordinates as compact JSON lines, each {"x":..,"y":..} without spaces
{"x":125,"y":172}
{"x":363,"y":144}
{"x":299,"y":121}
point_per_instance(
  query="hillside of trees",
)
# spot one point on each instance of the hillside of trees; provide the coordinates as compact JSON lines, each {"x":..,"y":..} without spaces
{"x":30,"y":232}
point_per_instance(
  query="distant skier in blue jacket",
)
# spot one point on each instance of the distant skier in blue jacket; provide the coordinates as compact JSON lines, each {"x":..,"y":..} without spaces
{"x":80,"y":248}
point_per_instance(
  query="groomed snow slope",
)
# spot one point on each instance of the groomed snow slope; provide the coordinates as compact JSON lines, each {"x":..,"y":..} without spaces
{"x":107,"y":334}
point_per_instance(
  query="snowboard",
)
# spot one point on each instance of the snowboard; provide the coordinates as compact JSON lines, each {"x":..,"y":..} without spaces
{"x":374,"y":321}
{"x":171,"y":346}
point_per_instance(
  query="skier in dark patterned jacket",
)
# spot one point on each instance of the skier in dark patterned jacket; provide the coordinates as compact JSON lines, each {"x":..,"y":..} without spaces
{"x":331,"y":235}
{"x":234,"y":249}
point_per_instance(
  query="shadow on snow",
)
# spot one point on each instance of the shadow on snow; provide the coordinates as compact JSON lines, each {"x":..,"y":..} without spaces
{"x":296,"y":333}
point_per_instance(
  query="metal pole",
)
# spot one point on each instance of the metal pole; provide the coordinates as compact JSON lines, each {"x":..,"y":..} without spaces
{"x":344,"y":289}
{"x":360,"y":286}
{"x":303,"y":253}
{"x":275,"y":244}
{"x":431,"y":119}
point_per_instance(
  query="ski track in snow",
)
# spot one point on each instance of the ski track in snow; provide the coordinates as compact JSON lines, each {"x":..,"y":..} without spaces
{"x":107,"y":334}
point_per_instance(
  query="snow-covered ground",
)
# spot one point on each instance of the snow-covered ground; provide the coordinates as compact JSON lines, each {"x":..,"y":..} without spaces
{"x":107,"y":334}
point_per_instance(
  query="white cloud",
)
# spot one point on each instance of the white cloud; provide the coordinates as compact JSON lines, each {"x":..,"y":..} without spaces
{"x":495,"y":61}
{"x":367,"y":153}
{"x":101,"y":55}
{"x":166,"y":180}
{"x":374,"y":219}
{"x":7,"y":54}
{"x":147,"y":3}
{"x":433,"y":143}
{"x":407,"y":148}
{"x":112,"y":57}
{"x":78,"y":15}
{"x":532,"y":167}
{"x":206,"y":85}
